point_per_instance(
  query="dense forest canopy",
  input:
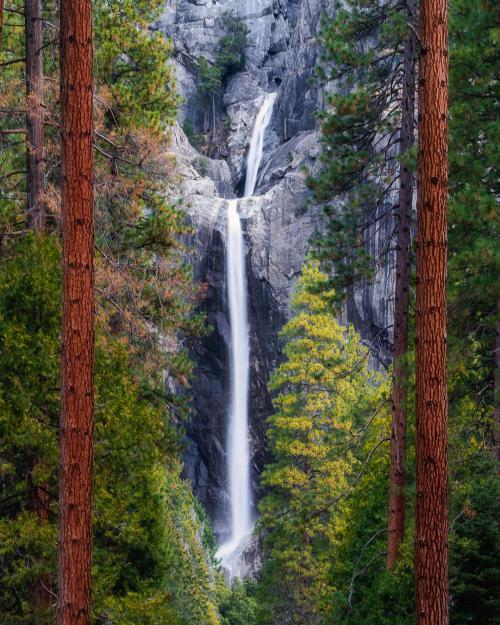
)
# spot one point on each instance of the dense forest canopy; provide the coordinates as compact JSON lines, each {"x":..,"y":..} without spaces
{"x":378,"y":501}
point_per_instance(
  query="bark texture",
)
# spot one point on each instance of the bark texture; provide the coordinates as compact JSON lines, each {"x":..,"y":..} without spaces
{"x":75,"y":497}
{"x":397,"y":472}
{"x":432,"y":408}
{"x":35,"y":113}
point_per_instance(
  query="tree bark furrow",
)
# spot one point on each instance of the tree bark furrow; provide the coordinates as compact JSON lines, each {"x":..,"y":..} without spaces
{"x":75,"y":535}
{"x":431,"y":386}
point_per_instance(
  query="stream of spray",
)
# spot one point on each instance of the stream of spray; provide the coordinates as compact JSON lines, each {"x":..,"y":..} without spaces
{"x":238,"y":448}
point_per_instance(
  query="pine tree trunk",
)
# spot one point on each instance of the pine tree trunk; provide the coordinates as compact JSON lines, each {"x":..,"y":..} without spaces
{"x":75,"y":497}
{"x":35,"y":113}
{"x":431,"y":390}
{"x":397,"y":471}
{"x":35,"y":172}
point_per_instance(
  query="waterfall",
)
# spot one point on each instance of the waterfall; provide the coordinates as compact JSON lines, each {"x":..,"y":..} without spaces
{"x":238,"y":451}
{"x":257,"y":143}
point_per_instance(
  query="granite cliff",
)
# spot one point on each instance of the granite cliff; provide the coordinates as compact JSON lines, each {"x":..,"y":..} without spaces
{"x":278,"y":221}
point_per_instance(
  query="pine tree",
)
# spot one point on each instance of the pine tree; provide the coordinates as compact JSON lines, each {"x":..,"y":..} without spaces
{"x":474,"y":259}
{"x":431,"y":385}
{"x":153,"y":558}
{"x":210,"y":81}
{"x":361,"y":123}
{"x":399,"y":392}
{"x":229,"y":60}
{"x":36,"y":217}
{"x":77,"y":386}
{"x":328,"y":405}
{"x":35,"y":114}
{"x":367,"y":182}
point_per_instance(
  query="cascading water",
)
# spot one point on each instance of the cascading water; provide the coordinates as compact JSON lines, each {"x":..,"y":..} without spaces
{"x":238,"y":450}
{"x":257,"y":143}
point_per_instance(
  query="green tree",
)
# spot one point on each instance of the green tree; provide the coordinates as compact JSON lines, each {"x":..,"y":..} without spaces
{"x":363,"y":55}
{"x":148,"y":527}
{"x":239,"y":605}
{"x":474,"y":260}
{"x":132,"y":65}
{"x":136,"y":226}
{"x":154,"y":555}
{"x":329,"y":404}
{"x":475,"y":544}
{"x":231,"y":56}
{"x":229,"y":60}
{"x":209,"y":83}
{"x":366,"y":181}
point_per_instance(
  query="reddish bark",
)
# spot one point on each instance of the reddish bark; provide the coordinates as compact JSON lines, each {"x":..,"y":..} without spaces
{"x":431,"y":389}
{"x":35,"y":113}
{"x":397,"y":471}
{"x":75,"y":497}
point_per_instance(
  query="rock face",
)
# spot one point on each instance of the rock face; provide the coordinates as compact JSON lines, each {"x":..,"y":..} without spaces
{"x":278,"y":221}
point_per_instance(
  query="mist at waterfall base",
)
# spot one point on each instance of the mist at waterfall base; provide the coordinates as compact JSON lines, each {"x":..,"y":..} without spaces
{"x":238,"y":445}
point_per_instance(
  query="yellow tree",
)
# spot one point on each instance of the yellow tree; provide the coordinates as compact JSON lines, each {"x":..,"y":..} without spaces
{"x":327,"y":400}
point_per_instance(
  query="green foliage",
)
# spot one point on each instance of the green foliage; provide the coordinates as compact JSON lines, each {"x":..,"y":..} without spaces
{"x":474,"y":230}
{"x":132,"y":62}
{"x":209,"y":77}
{"x":194,"y":138}
{"x":239,"y":605}
{"x":231,"y":55}
{"x":474,"y":293}
{"x":143,"y":285}
{"x":29,"y":415}
{"x":362,"y":51}
{"x":153,"y":548}
{"x":153,"y":552}
{"x":331,"y":415}
{"x":475,"y":547}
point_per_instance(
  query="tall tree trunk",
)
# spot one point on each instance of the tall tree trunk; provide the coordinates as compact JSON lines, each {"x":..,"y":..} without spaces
{"x":75,"y":496}
{"x":35,"y":205}
{"x":35,"y":114}
{"x":496,"y":388}
{"x":399,"y":392}
{"x":432,"y":404}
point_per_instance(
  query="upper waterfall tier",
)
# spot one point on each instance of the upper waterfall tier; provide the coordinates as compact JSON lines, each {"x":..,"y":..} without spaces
{"x":256,"y":149}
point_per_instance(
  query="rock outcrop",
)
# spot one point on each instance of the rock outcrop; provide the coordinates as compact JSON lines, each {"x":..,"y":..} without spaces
{"x":278,"y":221}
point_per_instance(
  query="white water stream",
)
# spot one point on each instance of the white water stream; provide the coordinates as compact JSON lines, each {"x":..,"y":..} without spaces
{"x":238,"y":449}
{"x":257,"y":143}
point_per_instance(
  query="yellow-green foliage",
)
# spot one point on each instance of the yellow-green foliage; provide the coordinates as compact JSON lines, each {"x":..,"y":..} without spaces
{"x":328,"y":404}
